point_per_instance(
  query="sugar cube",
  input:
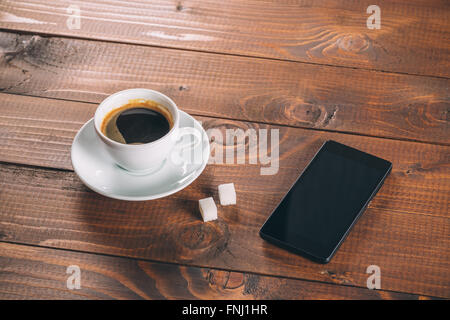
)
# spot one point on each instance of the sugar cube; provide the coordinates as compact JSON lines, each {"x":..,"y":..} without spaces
{"x":227,"y":194}
{"x":208,"y":209}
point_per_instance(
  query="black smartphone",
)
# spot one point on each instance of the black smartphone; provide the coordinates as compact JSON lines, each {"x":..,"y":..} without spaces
{"x":324,"y":203}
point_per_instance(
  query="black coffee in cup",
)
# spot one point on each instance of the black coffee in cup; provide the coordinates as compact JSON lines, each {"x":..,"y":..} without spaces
{"x":137,"y":122}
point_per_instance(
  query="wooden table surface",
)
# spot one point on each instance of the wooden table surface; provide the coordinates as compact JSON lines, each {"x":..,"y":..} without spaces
{"x":312,"y":69}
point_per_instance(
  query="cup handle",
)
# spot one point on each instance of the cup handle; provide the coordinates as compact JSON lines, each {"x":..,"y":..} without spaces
{"x":181,"y":147}
{"x":188,"y":131}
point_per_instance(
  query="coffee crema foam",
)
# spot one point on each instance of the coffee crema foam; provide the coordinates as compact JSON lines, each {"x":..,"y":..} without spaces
{"x":137,"y":122}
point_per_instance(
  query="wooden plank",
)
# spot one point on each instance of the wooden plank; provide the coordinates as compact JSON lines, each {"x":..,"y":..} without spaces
{"x":320,"y":97}
{"x":40,"y":131}
{"x":413,"y":38}
{"x":53,"y":209}
{"x":40,"y":273}
{"x":404,"y":231}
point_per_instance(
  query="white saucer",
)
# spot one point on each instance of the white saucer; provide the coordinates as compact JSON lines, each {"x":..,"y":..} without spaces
{"x":98,"y":171}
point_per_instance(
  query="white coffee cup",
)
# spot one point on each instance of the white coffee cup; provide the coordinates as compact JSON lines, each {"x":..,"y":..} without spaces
{"x":148,"y":157}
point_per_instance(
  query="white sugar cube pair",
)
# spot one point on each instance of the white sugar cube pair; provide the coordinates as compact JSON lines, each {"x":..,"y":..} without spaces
{"x":227,"y":196}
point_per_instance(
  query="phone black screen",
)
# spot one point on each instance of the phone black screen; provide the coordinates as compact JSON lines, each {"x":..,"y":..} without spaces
{"x":322,"y":206}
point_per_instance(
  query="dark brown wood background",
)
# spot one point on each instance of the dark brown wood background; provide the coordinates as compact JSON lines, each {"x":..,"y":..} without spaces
{"x":311,"y":69}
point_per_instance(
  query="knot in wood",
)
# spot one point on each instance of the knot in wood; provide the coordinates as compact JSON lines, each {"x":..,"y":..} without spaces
{"x":199,"y":240}
{"x":355,"y":43}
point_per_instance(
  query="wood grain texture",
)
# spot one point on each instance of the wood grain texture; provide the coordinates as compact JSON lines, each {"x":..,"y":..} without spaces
{"x":319,"y":97}
{"x":40,"y":273}
{"x":405,"y":230}
{"x":54,"y":209}
{"x":413,"y":38}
